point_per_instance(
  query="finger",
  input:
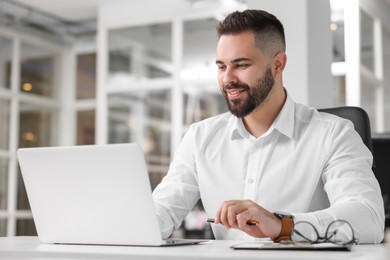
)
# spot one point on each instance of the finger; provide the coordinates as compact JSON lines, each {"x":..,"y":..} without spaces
{"x":244,"y":220}
{"x":233,"y":211}
{"x":228,"y":211}
{"x":224,"y":214}
{"x":225,"y":211}
{"x":219,"y":219}
{"x":232,"y":217}
{"x":265,"y":227}
{"x":218,"y":216}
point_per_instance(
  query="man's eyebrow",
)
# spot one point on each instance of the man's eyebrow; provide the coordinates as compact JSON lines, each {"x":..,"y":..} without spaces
{"x":240,"y":59}
{"x":233,"y":61}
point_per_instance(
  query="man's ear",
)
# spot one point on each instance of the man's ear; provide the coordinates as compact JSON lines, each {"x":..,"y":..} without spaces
{"x":279,"y":62}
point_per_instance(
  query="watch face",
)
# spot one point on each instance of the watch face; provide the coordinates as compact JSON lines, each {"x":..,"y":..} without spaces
{"x":282,"y":214}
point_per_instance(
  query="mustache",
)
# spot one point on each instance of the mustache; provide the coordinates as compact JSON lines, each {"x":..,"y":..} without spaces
{"x":236,"y":86}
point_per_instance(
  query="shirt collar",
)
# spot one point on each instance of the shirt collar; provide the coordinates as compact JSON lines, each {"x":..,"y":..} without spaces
{"x":284,"y":122}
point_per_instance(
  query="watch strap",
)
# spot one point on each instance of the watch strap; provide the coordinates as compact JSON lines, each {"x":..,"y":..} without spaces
{"x":287,"y":227}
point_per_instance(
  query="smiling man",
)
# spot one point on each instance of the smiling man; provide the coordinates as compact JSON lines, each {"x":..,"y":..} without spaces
{"x":269,"y":154}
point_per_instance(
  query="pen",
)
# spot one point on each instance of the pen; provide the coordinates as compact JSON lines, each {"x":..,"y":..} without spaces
{"x":249,"y":222}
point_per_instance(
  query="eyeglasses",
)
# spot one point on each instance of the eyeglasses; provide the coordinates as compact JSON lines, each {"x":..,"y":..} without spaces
{"x":339,"y":232}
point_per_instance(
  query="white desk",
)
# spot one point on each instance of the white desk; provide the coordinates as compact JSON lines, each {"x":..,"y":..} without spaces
{"x":30,"y":248}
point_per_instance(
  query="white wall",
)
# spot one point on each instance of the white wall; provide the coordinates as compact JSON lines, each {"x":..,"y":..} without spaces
{"x":308,"y":37}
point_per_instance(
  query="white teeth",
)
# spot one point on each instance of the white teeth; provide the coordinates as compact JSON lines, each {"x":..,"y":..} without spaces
{"x":234,"y":92}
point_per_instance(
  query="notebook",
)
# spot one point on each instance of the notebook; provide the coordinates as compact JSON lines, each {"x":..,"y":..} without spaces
{"x":96,"y":194}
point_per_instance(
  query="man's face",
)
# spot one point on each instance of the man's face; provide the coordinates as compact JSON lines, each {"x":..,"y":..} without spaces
{"x":244,"y":76}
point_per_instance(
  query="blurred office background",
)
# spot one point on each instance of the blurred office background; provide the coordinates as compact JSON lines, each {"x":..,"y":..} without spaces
{"x":94,"y":72}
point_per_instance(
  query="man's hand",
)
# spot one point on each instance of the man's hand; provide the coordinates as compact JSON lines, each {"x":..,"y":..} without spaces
{"x":236,"y":213}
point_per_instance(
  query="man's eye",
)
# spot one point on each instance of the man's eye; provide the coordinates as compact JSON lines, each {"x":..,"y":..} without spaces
{"x":221,"y":67}
{"x":242,"y":65}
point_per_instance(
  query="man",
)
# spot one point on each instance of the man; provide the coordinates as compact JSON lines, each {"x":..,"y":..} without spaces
{"x":268,"y":153}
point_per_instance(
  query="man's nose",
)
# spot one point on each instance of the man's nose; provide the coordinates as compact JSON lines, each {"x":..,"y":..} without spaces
{"x":229,"y":77}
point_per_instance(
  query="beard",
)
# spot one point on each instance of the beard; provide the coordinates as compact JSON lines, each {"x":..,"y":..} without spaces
{"x":256,"y":94}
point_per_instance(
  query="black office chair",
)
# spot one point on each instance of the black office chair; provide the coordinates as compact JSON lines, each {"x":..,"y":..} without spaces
{"x":359,"y":118}
{"x":381,"y":149}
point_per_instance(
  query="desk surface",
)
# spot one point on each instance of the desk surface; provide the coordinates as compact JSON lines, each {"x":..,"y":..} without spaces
{"x":31,"y":248}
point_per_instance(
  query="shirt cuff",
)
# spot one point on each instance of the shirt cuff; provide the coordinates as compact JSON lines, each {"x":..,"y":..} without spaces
{"x":165,"y":221}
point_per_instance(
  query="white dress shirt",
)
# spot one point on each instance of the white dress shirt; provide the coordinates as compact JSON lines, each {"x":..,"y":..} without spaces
{"x":313,"y":165}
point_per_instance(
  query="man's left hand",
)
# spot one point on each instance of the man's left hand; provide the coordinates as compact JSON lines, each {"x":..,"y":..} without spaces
{"x":236,"y":214}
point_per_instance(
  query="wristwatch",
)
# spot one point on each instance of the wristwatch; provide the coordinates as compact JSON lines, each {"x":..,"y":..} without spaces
{"x":287,"y":226}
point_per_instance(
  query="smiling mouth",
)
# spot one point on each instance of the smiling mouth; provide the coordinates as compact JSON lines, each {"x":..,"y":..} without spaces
{"x":235,"y":93}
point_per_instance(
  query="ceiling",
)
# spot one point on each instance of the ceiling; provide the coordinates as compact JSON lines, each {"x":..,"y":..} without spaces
{"x":71,"y":10}
{"x":61,"y":21}
{"x":64,"y":20}
{"x":75,"y":10}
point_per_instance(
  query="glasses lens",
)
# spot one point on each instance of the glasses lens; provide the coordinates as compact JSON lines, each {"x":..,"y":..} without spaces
{"x":340,"y":232}
{"x":304,"y":232}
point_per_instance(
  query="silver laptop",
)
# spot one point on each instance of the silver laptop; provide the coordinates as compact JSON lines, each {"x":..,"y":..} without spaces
{"x":97,"y":194}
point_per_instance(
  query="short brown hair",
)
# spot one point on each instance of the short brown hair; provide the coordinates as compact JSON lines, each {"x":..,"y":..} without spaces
{"x":268,"y":30}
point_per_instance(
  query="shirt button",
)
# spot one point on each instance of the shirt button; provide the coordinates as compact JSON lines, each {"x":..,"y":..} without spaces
{"x":250,"y":180}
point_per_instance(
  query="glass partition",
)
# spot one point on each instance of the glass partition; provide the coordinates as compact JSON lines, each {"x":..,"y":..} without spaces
{"x":35,"y":122}
{"x":339,"y":91}
{"x":86,"y":89}
{"x":201,"y":100}
{"x":35,"y":130}
{"x":368,"y":97}
{"x":86,"y":127}
{"x":199,"y":44}
{"x":35,"y":125}
{"x":367,"y":40}
{"x":200,"y":104}
{"x":145,"y":118}
{"x":86,"y":76}
{"x":387,"y":109}
{"x":22,"y":200}
{"x":4,"y":123}
{"x":25,"y":227}
{"x":338,"y":42}
{"x":386,"y":77}
{"x":3,"y":183}
{"x":37,"y":71}
{"x":139,"y":53}
{"x":3,"y":227}
{"x":337,"y":30}
{"x":6,"y":50}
